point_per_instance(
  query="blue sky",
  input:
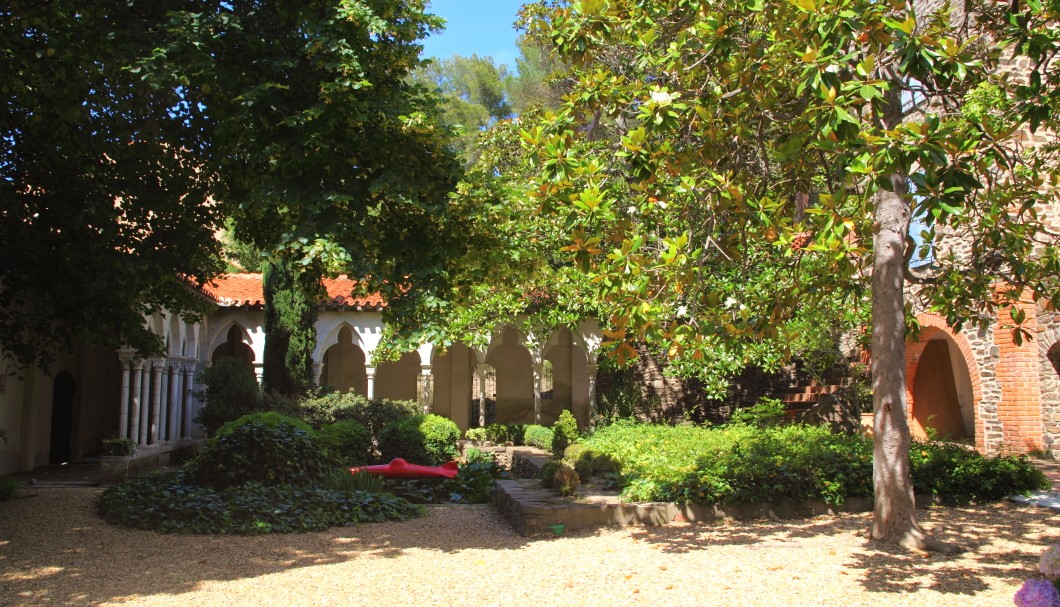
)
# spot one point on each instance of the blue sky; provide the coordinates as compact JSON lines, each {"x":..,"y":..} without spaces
{"x":481,"y":27}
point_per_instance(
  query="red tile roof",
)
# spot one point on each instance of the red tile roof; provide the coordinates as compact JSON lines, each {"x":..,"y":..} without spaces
{"x":245,"y":290}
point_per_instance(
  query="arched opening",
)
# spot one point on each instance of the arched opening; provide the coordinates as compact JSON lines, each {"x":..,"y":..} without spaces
{"x":942,"y":404}
{"x":61,"y":445}
{"x":484,"y":396}
{"x":1054,"y":357}
{"x":515,"y":379}
{"x":235,"y":347}
{"x":453,"y":370}
{"x":397,"y":380}
{"x":344,"y":365}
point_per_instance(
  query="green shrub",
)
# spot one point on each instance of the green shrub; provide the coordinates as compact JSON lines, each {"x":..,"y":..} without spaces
{"x":767,"y":412}
{"x":8,"y":486}
{"x":475,"y":434}
{"x":505,"y":433}
{"x":537,"y":436}
{"x":565,"y":480}
{"x":271,"y":419}
{"x":564,"y":433}
{"x":256,"y":453}
{"x":474,"y":482}
{"x":115,"y":446}
{"x":341,"y":479}
{"x":420,"y":439}
{"x":349,"y":441}
{"x":588,"y":461}
{"x":170,"y":502}
{"x":957,"y":474}
{"x":548,"y":473}
{"x":325,"y":408}
{"x":281,"y":403}
{"x":743,"y":463}
{"x":473,"y":456}
{"x":228,"y":391}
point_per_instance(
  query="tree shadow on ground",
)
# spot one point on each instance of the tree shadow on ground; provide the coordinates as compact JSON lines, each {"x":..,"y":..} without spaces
{"x":1002,"y":542}
{"x":55,"y":550}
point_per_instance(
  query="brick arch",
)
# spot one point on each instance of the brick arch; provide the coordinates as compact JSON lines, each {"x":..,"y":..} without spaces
{"x":930,"y":327}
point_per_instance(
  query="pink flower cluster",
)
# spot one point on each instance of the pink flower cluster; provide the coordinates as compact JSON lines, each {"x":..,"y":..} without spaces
{"x":1038,"y":592}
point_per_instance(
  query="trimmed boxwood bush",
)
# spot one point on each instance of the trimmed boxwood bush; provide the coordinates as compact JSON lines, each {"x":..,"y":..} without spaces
{"x":170,"y":502}
{"x":537,"y":436}
{"x":350,"y":442}
{"x":255,"y":452}
{"x":564,"y":433}
{"x":373,"y":414}
{"x":420,"y":439}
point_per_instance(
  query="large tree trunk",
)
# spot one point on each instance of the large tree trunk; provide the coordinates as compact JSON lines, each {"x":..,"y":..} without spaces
{"x":894,"y":514}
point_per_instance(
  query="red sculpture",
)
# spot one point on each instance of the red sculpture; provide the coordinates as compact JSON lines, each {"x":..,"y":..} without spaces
{"x":399,"y":468}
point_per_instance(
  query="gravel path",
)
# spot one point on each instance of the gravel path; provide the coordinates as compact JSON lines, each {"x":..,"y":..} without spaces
{"x":54,"y":551}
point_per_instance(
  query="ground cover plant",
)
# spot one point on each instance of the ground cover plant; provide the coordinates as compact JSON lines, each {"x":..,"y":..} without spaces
{"x":743,"y":464}
{"x":266,"y":473}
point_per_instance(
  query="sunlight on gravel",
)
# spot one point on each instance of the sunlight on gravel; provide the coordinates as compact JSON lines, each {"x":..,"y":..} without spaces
{"x":54,"y":551}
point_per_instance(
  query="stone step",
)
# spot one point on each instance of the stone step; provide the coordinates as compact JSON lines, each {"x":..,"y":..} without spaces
{"x":533,"y":511}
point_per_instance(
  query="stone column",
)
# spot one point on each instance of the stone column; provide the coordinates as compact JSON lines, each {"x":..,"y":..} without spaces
{"x":174,"y":402}
{"x":163,"y":416}
{"x":370,"y":372}
{"x":259,"y":372}
{"x":590,"y":369}
{"x":537,"y":368}
{"x":126,"y":368}
{"x":189,"y":398}
{"x":145,"y":403}
{"x":156,"y":400}
{"x":425,"y":388}
{"x":481,"y":396}
{"x":318,"y":370}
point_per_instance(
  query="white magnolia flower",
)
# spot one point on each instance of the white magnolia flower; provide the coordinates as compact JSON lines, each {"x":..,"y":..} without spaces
{"x":662,"y":97}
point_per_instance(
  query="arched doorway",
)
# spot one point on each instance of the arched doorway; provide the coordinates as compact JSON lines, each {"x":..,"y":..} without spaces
{"x":939,"y":408}
{"x":235,"y":347}
{"x":61,"y":444}
{"x":344,"y":365}
{"x":398,"y":379}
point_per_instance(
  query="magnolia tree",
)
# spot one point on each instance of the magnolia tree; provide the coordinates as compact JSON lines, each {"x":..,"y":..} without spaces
{"x":703,"y":142}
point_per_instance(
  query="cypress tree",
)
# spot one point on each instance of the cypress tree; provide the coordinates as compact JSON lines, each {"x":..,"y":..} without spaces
{"x":290,"y":326}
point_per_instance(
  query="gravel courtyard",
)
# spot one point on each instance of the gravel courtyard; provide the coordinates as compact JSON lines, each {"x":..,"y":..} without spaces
{"x":55,"y":551}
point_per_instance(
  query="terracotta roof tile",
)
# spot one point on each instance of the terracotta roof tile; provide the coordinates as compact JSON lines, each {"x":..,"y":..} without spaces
{"x":245,"y":290}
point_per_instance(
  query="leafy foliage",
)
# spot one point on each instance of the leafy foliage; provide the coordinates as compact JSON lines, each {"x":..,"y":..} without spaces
{"x":341,"y":479}
{"x":254,"y":452}
{"x":271,"y":419}
{"x":229,"y":390}
{"x":349,"y":441}
{"x":170,"y":502}
{"x":958,"y":474}
{"x":537,"y":436}
{"x":564,"y":432}
{"x":505,"y":433}
{"x":291,"y":297}
{"x":420,"y":439}
{"x":565,"y":479}
{"x":95,"y":159}
{"x":743,"y":464}
{"x":768,"y":412}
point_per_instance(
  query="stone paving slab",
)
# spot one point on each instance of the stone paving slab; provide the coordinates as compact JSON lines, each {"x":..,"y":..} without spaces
{"x":1043,"y":499}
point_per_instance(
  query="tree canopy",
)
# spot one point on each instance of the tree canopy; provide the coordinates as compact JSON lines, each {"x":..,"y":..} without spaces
{"x":131,"y":132}
{"x":699,"y":136}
